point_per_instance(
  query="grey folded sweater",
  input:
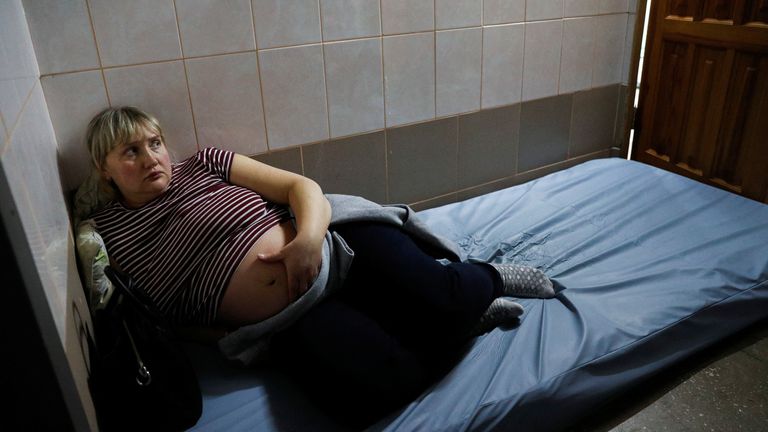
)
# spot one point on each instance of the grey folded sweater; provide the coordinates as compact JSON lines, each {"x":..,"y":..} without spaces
{"x":249,"y":343}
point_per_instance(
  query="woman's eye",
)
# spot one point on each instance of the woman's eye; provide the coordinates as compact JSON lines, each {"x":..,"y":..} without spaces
{"x":155,"y":143}
{"x":131,"y":151}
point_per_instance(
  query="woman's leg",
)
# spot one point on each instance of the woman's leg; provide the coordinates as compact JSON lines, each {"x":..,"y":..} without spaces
{"x":425,"y":304}
{"x":348,"y":364}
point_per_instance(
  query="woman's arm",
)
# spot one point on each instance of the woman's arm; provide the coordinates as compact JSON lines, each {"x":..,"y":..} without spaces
{"x":302,"y":256}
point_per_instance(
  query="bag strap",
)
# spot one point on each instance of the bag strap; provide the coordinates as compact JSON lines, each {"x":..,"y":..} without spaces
{"x":125,"y":284}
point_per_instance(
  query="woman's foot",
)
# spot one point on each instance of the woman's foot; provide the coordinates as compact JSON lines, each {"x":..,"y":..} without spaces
{"x":524,"y":281}
{"x":501,"y":311}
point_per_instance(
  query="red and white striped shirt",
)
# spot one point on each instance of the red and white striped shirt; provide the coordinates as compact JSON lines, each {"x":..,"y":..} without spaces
{"x":183,"y":246}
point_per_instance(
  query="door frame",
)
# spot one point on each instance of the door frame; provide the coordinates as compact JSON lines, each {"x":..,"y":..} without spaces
{"x":627,"y":111}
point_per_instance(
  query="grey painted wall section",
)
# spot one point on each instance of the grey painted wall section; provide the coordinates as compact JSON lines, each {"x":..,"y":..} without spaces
{"x":441,"y":161}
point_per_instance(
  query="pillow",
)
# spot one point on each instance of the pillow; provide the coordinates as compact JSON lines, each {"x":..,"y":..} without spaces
{"x":93,"y":259}
{"x":90,"y":197}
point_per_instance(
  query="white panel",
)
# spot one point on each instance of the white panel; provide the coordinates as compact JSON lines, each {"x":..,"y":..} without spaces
{"x":18,"y":67}
{"x":458,"y":13}
{"x":137,"y":31}
{"x":502,"y":64}
{"x":226,"y":101}
{"x":30,"y":163}
{"x":458,"y":71}
{"x":294,"y":95}
{"x":578,"y":49}
{"x":215,"y":27}
{"x":355,"y":86}
{"x":543,"y":41}
{"x":30,"y":168}
{"x":73,"y":99}
{"x":409,"y":78}
{"x":62,"y":35}
{"x":347,"y":19}
{"x":503,"y":11}
{"x":161,"y":90}
{"x":407,"y":16}
{"x":610,"y":36}
{"x":35,"y":215}
{"x":581,"y":7}
{"x":543,"y":9}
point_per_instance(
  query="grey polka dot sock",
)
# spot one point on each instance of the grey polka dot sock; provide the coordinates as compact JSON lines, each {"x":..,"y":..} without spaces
{"x":501,"y":311}
{"x":524,"y":281}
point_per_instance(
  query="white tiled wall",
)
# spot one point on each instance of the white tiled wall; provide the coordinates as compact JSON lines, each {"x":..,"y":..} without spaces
{"x":458,"y":62}
{"x":574,"y":8}
{"x":409,"y":84}
{"x":208,"y":28}
{"x":502,"y":82}
{"x":541,"y":63}
{"x":261,"y":75}
{"x":576,"y":59}
{"x":407,"y":16}
{"x":350,"y":19}
{"x":293,"y":84}
{"x":611,"y":31}
{"x":536,"y":10}
{"x":355,"y":86}
{"x":225,"y":93}
{"x":503,"y":11}
{"x":33,"y":211}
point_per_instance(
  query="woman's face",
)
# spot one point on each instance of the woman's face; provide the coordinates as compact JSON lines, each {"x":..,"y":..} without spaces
{"x":141,"y":169}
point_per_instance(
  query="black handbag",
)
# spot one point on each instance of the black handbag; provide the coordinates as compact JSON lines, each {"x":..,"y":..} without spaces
{"x":141,"y":379}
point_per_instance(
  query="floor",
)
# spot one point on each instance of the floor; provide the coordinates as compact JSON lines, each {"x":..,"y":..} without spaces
{"x":724,"y":388}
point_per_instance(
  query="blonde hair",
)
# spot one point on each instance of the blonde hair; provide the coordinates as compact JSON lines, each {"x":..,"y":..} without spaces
{"x":115,"y":126}
{"x":112,"y":127}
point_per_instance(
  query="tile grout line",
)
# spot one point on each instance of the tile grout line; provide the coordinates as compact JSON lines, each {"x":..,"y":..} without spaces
{"x":522,"y":80}
{"x":325,"y":85}
{"x":384,"y":102}
{"x":9,"y":130}
{"x":186,"y":75}
{"x":434,"y":56}
{"x":261,"y":84}
{"x":98,"y":52}
{"x":458,"y":142}
{"x":5,"y":130}
{"x":482,"y":49}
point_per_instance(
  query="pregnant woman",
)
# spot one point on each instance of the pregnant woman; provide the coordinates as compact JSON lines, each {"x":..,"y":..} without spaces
{"x":222,"y":240}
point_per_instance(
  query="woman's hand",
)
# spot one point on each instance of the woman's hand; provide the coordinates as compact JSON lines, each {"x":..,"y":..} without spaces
{"x":301,"y":258}
{"x":312,"y":211}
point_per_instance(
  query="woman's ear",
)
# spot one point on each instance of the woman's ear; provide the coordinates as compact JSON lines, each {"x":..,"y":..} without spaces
{"x":104,"y":174}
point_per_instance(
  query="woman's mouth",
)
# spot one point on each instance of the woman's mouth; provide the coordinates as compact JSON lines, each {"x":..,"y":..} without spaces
{"x":154,"y":176}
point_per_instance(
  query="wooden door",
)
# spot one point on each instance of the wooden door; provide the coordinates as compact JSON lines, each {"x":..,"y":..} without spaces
{"x":703,"y":109}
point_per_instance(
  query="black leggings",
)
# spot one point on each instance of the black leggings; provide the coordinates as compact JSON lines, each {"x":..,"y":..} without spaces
{"x":400,"y":317}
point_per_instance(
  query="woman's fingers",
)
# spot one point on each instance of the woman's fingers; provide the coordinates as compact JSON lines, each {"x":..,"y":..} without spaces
{"x":302,"y":266}
{"x":271,"y":257}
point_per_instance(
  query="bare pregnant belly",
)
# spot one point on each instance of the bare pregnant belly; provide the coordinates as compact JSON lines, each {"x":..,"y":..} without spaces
{"x":258,"y":290}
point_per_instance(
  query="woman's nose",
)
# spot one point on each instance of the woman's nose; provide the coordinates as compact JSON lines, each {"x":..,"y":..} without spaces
{"x":150,"y":159}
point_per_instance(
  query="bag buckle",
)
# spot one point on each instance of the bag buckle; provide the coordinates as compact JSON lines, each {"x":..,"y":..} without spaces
{"x":144,"y":378}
